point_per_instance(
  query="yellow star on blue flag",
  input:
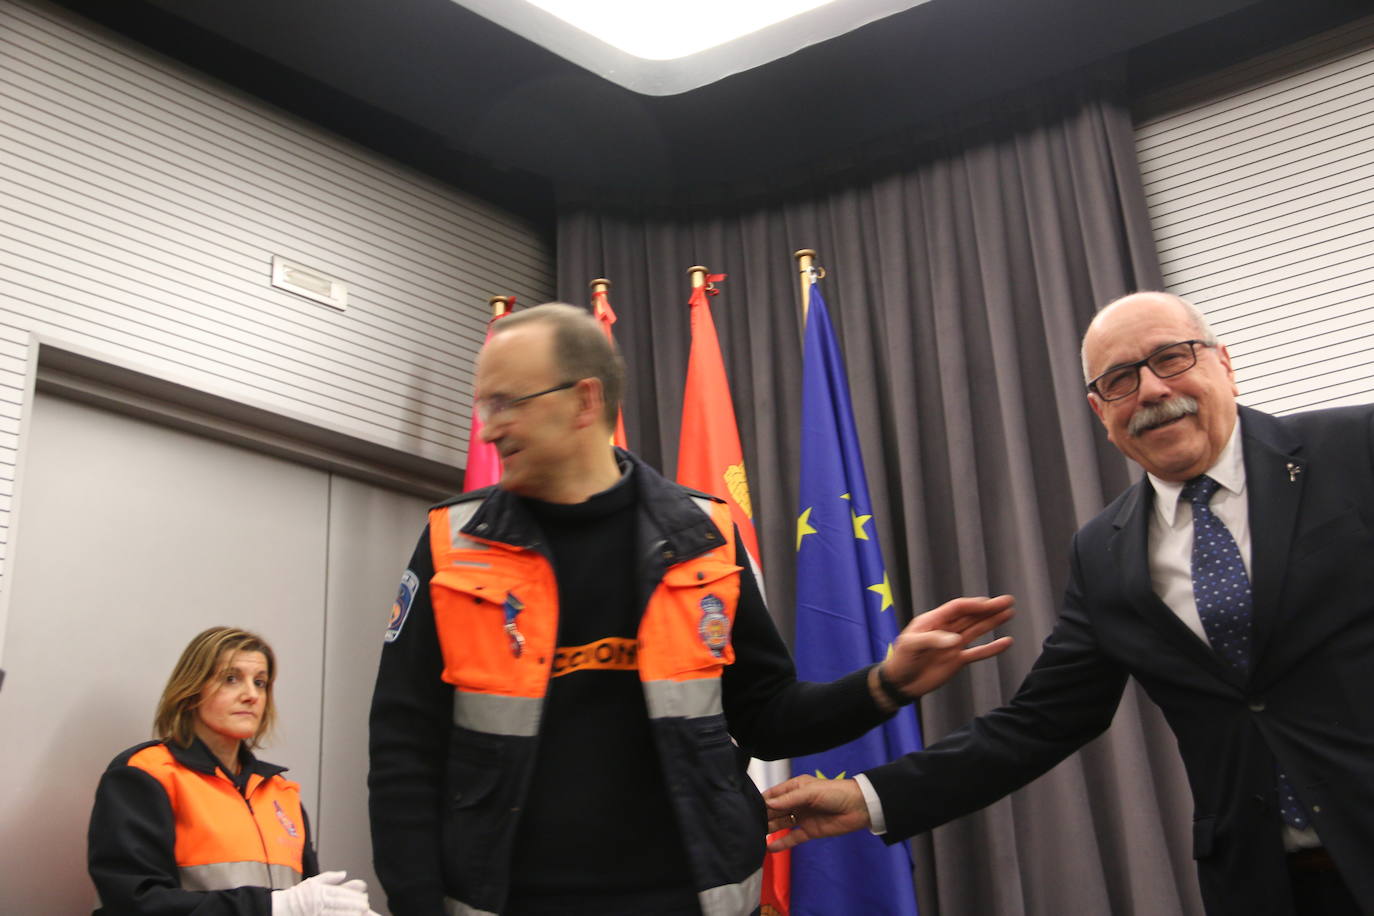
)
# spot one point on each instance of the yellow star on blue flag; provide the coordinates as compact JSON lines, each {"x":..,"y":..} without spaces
{"x":803,"y":526}
{"x":884,"y":589}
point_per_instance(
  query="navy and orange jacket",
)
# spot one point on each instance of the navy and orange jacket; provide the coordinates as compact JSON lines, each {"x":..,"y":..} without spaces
{"x":456,"y":714}
{"x":169,"y":825}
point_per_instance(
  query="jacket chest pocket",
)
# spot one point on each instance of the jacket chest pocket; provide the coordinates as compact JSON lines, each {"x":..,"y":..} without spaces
{"x":496,"y":630}
{"x":689,"y":620}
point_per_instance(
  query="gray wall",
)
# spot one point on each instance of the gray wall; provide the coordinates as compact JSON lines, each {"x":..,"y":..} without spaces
{"x":141,"y":204}
{"x":1260,"y":184}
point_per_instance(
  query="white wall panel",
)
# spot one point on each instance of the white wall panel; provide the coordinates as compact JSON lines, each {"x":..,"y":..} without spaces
{"x":124,"y":559}
{"x":372,"y":532}
{"x":141,"y":204}
{"x":1260,"y":184}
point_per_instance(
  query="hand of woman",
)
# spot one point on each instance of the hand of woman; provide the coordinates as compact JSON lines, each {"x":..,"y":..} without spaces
{"x":326,"y":894}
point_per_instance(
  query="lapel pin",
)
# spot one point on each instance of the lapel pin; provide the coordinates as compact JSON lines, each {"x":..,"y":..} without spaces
{"x":1294,"y":470}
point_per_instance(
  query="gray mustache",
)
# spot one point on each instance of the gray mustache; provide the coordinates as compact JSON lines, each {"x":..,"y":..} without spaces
{"x":1156,"y":414}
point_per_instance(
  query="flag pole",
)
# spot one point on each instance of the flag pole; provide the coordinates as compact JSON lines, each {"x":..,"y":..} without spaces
{"x":601,"y":311}
{"x":697,"y":275}
{"x":500,"y":305}
{"x":483,"y":465}
{"x":806,"y":259}
{"x":600,"y":287}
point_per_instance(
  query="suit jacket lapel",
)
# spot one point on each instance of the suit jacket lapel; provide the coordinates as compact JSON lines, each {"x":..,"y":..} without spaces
{"x":1274,"y":485}
{"x":1130,"y":549}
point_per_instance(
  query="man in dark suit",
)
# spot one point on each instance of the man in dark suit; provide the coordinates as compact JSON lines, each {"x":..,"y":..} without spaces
{"x":1269,"y":689}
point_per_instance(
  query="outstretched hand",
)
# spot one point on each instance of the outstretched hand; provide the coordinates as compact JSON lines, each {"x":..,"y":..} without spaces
{"x":810,"y":808}
{"x":935,"y":646}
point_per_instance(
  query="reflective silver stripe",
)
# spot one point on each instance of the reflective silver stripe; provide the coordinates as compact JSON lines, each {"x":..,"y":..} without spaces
{"x":458,"y":908}
{"x":458,"y":516}
{"x":704,"y":503}
{"x":733,"y":899}
{"x":683,"y":699}
{"x":497,"y":715}
{"x":221,"y":876}
{"x":754,"y":569}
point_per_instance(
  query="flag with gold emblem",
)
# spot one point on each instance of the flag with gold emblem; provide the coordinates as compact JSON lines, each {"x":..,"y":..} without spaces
{"x":710,"y":459}
{"x":845,"y":619}
{"x":709,"y":456}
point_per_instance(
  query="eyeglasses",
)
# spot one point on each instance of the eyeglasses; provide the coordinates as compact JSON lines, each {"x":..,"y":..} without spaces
{"x":489,"y":407}
{"x":1166,"y":362}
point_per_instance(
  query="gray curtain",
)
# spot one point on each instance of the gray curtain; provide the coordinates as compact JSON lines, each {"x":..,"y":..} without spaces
{"x":962,"y":266}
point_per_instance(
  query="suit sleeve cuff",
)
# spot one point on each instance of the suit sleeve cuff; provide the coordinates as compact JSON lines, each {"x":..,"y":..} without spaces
{"x":877,"y":824}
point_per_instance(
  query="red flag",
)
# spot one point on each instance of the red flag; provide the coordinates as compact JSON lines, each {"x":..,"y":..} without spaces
{"x":484,"y":462}
{"x":776,"y":898}
{"x":601,"y":308}
{"x":710,"y":459}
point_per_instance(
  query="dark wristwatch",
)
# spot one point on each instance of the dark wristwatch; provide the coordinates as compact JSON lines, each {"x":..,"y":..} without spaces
{"x":890,"y":690}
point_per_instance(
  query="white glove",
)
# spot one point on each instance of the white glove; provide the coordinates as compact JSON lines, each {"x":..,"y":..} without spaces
{"x":326,"y":894}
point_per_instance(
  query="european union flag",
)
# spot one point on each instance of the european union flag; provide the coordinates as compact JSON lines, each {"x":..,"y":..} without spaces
{"x":845,"y":619}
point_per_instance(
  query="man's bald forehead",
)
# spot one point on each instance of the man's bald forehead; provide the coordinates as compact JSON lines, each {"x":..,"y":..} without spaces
{"x":1144,"y":299}
{"x":1135,"y":300}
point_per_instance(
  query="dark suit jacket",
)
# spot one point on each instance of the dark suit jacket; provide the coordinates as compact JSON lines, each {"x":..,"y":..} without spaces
{"x":1307,"y":704}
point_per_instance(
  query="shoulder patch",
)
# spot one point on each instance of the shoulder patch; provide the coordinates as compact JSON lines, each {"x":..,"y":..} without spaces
{"x":405,"y":597}
{"x":286,"y":822}
{"x":714,"y":627}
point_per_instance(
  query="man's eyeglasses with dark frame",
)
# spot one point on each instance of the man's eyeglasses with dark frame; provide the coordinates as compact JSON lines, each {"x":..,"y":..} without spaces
{"x":1166,"y":362}
{"x":499,"y":404}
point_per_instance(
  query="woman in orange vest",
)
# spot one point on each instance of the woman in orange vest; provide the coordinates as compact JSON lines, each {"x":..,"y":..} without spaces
{"x":193,"y":822}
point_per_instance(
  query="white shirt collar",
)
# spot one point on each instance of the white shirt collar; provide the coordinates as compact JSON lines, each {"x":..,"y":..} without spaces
{"x":1229,"y":471}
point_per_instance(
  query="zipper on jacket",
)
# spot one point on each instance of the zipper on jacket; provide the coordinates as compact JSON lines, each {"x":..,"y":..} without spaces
{"x":262,"y":840}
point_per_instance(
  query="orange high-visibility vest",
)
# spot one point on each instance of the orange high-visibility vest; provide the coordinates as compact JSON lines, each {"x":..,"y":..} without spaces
{"x":479,"y":586}
{"x":682,"y":648}
{"x":224,"y":839}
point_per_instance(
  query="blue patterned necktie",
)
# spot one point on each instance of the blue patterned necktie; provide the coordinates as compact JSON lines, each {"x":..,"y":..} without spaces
{"x":1222,"y":592}
{"x":1220,"y":585}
